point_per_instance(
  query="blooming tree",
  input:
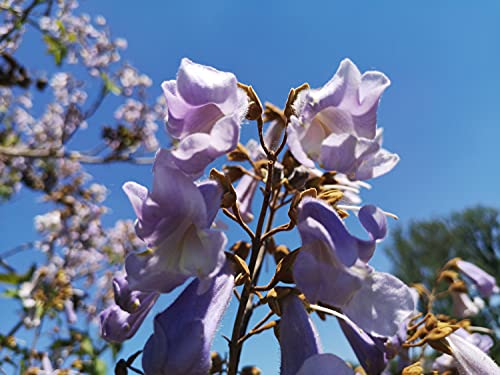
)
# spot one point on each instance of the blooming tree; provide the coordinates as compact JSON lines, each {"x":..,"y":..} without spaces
{"x":310,"y":159}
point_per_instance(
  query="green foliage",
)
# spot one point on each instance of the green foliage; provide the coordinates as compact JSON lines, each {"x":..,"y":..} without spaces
{"x":14,"y":278}
{"x":56,"y":48}
{"x":420,"y":249}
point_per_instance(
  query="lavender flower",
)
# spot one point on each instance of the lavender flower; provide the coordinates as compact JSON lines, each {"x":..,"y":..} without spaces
{"x":174,"y":220}
{"x":329,"y":252}
{"x":369,"y":350}
{"x":332,"y":268}
{"x":485,"y":283}
{"x":301,"y":352}
{"x":184,"y":332}
{"x":117,"y":325}
{"x":336,"y":125}
{"x":468,"y":354}
{"x":205,"y":110}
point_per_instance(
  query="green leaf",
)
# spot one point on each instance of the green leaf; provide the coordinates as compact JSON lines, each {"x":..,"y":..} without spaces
{"x":56,"y":48}
{"x":10,"y":293}
{"x":110,"y":85}
{"x":14,"y":278}
{"x":87,"y":346}
{"x":99,"y":367}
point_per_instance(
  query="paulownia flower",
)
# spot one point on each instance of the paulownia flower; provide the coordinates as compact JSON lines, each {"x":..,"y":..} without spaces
{"x":205,"y":110}
{"x":468,"y":354}
{"x":332,"y":268}
{"x":369,"y":350}
{"x":336,"y":125}
{"x":174,"y":220}
{"x":121,"y":321}
{"x":301,"y":352}
{"x":485,"y":283}
{"x":184,"y":332}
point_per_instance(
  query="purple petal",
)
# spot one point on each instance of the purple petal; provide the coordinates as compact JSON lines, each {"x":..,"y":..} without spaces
{"x":200,"y":84}
{"x":117,"y":325}
{"x":198,"y":150}
{"x":325,"y":364}
{"x":485,"y":283}
{"x":212,"y":195}
{"x":127,"y":299}
{"x":184,"y":332}
{"x":337,"y":152}
{"x":369,"y":350}
{"x":377,"y":165}
{"x":245,"y":191}
{"x":137,"y":194}
{"x":298,"y":337}
{"x":469,"y":358}
{"x":293,"y":140}
{"x":321,"y":280}
{"x":381,"y":305}
{"x":148,"y":273}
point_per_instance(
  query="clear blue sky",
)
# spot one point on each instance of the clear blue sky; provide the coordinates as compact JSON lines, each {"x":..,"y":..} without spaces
{"x":441,"y":114}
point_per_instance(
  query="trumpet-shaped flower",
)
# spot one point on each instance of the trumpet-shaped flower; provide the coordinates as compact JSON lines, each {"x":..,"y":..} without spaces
{"x":485,"y":283}
{"x":332,"y":268}
{"x":327,"y":268}
{"x":174,"y":220}
{"x":369,"y":350}
{"x":468,"y":354}
{"x":205,"y":110}
{"x":184,"y":332}
{"x":121,"y":321}
{"x":301,"y":352}
{"x":336,"y":125}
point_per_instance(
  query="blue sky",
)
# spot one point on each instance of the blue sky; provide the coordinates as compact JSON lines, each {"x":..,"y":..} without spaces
{"x":441,"y":113}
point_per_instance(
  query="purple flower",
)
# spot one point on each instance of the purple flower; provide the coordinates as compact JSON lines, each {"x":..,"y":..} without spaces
{"x":336,"y":125}
{"x":174,"y":220}
{"x":300,"y":344}
{"x":330,"y":267}
{"x":468,"y":354}
{"x":485,"y":283}
{"x":184,"y":332}
{"x":369,"y":350}
{"x":118,"y":325}
{"x":205,"y":110}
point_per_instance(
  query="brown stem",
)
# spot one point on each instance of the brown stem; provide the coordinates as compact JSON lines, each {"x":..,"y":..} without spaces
{"x":246,"y":305}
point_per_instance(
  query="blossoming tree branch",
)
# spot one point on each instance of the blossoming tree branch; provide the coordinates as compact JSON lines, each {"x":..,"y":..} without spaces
{"x":308,"y":162}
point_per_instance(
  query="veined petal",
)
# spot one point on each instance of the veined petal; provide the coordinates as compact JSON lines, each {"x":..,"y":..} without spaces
{"x":380,"y":305}
{"x":200,"y":84}
{"x":377,"y":165}
{"x":294,"y":131}
{"x":470,"y":359}
{"x":321,"y":280}
{"x":184,"y":332}
{"x":177,"y":194}
{"x":149,"y":273}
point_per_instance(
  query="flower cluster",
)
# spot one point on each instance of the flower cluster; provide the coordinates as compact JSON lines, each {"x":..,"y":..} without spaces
{"x":333,"y":146}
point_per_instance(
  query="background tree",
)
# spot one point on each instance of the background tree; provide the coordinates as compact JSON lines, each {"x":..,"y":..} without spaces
{"x":419,"y":249}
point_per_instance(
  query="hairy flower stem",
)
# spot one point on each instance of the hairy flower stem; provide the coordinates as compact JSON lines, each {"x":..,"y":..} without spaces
{"x":245,"y":307}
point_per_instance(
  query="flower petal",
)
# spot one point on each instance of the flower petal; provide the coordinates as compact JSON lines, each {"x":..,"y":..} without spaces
{"x":381,"y":305}
{"x":184,"y":332}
